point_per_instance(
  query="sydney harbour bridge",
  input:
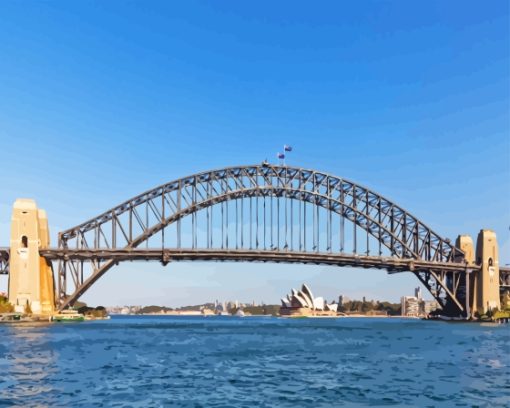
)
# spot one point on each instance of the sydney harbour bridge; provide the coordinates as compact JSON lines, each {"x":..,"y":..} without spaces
{"x":264,"y":213}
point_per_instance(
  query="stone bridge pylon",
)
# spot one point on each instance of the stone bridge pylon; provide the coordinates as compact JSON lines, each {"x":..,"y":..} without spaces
{"x":31,"y":281}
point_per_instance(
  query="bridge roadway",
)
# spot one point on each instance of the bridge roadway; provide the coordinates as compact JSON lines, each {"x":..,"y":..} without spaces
{"x":392,"y":265}
{"x":187,"y":254}
{"x":239,"y":255}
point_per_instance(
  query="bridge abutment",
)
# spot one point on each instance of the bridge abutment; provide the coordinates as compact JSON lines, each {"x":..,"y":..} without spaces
{"x":487,"y":256}
{"x":482,"y":283}
{"x":465,"y":244}
{"x":31,"y":282}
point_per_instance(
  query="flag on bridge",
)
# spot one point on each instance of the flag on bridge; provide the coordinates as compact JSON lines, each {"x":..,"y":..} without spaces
{"x":280,"y":156}
{"x":287,"y":148}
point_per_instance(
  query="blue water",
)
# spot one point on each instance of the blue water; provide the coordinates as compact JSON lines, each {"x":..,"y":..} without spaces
{"x":147,"y":361}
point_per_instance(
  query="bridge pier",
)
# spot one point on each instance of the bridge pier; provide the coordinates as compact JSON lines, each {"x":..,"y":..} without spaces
{"x":465,"y":244}
{"x":482,"y":283}
{"x":31,"y":283}
{"x":488,"y":283}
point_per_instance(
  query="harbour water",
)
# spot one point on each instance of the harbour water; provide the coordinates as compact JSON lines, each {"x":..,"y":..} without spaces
{"x":144,"y":361}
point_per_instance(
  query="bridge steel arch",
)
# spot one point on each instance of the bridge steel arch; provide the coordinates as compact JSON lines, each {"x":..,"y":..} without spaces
{"x":270,"y":201}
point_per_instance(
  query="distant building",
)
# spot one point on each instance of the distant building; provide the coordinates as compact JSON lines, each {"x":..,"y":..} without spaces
{"x":342,"y":300}
{"x":303,"y":303}
{"x":410,"y":306}
{"x":417,"y":293}
{"x":416,"y":306}
{"x":219,"y":307}
{"x":429,"y":306}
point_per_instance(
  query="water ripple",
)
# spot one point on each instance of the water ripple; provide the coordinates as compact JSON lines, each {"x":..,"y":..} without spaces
{"x":229,"y":362}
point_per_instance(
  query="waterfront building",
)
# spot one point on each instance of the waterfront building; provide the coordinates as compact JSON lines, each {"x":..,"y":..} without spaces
{"x":429,"y":306}
{"x":416,"y":306}
{"x":219,"y":308}
{"x":303,"y":303}
{"x":206,"y":312}
{"x":410,"y":306}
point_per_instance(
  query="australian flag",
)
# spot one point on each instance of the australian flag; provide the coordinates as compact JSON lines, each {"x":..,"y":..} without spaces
{"x":281,"y":156}
{"x":287,"y":148}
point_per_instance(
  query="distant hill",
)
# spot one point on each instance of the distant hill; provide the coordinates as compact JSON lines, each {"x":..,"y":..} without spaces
{"x":154,"y":309}
{"x":197,"y":307}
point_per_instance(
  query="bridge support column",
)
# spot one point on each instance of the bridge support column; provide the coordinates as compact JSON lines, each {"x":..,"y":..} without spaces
{"x":465,"y":243}
{"x":31,"y":282}
{"x":488,"y":280}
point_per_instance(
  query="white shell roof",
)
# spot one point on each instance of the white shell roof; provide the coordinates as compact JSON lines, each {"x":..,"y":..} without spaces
{"x":285,"y":302}
{"x":305,"y":289}
{"x":318,"y":303}
{"x":299,"y":300}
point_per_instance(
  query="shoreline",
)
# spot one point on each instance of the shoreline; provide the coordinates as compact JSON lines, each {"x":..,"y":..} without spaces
{"x":187,"y":314}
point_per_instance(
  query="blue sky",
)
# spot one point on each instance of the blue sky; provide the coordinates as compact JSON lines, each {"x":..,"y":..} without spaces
{"x":102,"y":100}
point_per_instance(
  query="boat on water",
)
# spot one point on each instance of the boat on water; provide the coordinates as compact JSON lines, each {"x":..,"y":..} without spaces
{"x":10,"y":317}
{"x":240,"y":313}
{"x":68,"y":316}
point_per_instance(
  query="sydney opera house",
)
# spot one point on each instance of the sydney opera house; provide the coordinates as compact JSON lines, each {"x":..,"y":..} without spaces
{"x":302,"y":303}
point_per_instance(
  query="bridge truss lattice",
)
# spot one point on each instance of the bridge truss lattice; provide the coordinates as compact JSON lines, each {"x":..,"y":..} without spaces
{"x":261,"y":213}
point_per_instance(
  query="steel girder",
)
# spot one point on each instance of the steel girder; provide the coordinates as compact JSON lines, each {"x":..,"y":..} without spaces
{"x":139,"y":219}
{"x":4,"y":261}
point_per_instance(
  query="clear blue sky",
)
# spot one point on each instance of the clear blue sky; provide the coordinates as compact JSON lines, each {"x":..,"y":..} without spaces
{"x":102,"y":100}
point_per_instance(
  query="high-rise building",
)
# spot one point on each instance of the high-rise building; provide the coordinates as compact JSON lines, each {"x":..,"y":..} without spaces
{"x":410,"y":306}
{"x":417,"y":292}
{"x":342,"y":300}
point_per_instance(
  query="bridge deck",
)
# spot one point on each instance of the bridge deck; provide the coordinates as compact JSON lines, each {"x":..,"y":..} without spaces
{"x":167,"y":255}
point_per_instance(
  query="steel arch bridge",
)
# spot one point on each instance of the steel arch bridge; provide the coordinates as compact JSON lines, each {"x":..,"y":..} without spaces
{"x":265,"y":213}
